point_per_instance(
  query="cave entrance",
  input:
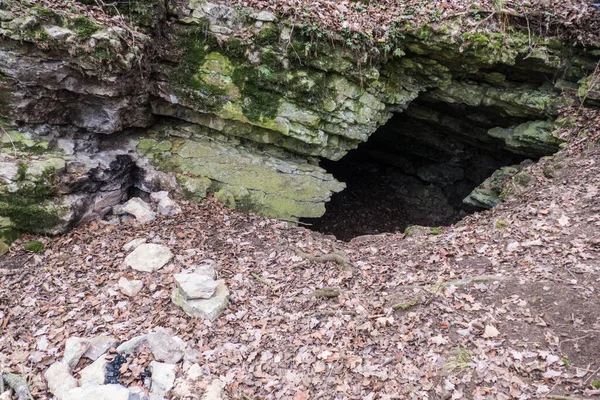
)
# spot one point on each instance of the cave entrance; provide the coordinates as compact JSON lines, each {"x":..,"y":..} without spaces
{"x":416,"y":170}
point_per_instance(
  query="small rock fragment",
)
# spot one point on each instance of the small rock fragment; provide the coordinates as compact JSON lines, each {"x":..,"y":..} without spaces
{"x":204,"y":308}
{"x":187,"y":385}
{"x":133,"y":244}
{"x":214,"y":391}
{"x":140,"y":210}
{"x":163,"y":378}
{"x":132,"y":345}
{"x":75,"y":348}
{"x":99,"y":345}
{"x":149,"y":257}
{"x":207,"y":268}
{"x":195,"y":286}
{"x":166,"y":206}
{"x":264,"y":16}
{"x":166,"y":348}
{"x":59,"y":378}
{"x":137,"y":393}
{"x":130,"y":288}
{"x":98,"y":392}
{"x":95,"y":373}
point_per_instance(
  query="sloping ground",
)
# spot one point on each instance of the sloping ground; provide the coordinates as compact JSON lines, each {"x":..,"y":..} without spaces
{"x":506,"y":304}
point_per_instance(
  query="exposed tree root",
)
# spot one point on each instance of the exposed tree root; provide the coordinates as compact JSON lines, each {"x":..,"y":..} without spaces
{"x":334,"y":256}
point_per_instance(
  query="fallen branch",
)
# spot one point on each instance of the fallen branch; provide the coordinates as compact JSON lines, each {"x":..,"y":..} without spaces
{"x":19,"y":385}
{"x":460,"y":282}
{"x":20,"y":278}
{"x":334,"y":256}
{"x":329,"y":313}
{"x":326,"y":293}
{"x":262,"y":280}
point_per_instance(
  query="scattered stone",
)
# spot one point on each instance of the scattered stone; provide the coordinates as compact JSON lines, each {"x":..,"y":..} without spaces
{"x":58,"y":33}
{"x":99,"y":345}
{"x":214,"y":391}
{"x":149,"y":257}
{"x":133,"y":244}
{"x":98,"y":392}
{"x":132,"y":345}
{"x":140,"y":210}
{"x":187,"y":385}
{"x":137,"y":393}
{"x":74,"y":349}
{"x":264,"y":16}
{"x":207,"y":268}
{"x":59,"y":378}
{"x":95,"y":373}
{"x":130,"y":288}
{"x":166,"y":206}
{"x":204,"y":308}
{"x":195,"y":286}
{"x":163,"y":379}
{"x":166,"y":348}
{"x":18,"y":384}
{"x":6,"y":395}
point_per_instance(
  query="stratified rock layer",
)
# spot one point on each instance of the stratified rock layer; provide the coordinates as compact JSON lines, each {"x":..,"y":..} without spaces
{"x":245,"y":102}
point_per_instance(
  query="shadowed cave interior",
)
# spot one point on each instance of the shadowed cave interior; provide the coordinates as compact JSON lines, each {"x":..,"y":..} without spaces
{"x":416,"y":170}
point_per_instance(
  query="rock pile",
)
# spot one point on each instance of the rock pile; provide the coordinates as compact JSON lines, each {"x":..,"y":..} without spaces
{"x":143,"y":368}
{"x":143,"y":212}
{"x":199,"y":294}
{"x":197,"y":291}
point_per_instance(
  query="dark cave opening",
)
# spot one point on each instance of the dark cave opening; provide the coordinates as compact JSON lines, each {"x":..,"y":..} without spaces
{"x":416,"y":170}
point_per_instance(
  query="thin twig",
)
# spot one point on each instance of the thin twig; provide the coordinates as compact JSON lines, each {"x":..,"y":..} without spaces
{"x":590,"y":377}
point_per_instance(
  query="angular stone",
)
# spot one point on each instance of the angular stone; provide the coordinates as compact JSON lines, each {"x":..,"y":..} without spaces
{"x":188,"y":384}
{"x":132,"y":345}
{"x":59,"y":378}
{"x":98,"y":392}
{"x":264,"y":16}
{"x":130,"y":287}
{"x":166,"y":348}
{"x":140,"y":210}
{"x":149,"y":257}
{"x":95,"y":373}
{"x":214,"y":391}
{"x":163,"y":379}
{"x":58,"y":33}
{"x":195,"y":286}
{"x":209,"y":309}
{"x":99,"y":345}
{"x":166,"y":206}
{"x":75,"y":348}
{"x":133,"y":244}
{"x":206,"y":268}
{"x":137,"y":393}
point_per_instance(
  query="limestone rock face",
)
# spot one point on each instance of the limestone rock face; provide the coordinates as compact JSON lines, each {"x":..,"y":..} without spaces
{"x":246,"y":119}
